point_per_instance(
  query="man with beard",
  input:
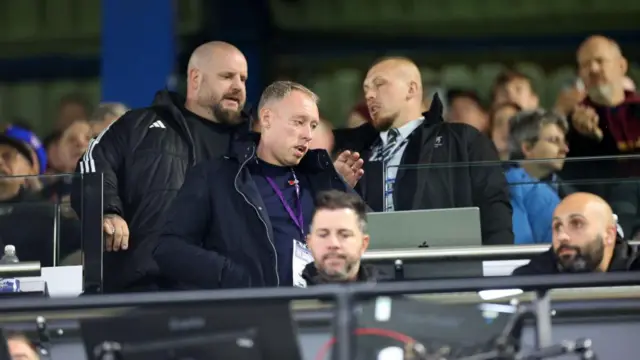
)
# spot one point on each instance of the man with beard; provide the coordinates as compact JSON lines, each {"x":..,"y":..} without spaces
{"x":337,"y":240}
{"x":401,"y":135}
{"x":586,"y":238}
{"x":607,"y":121}
{"x":145,"y":154}
{"x":241,"y":220}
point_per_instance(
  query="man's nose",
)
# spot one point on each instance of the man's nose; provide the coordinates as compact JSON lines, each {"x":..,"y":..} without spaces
{"x":307,"y":132}
{"x":562,"y":237}
{"x":237,"y":83}
{"x":594,"y":68}
{"x":333,"y":242}
{"x":369,"y":94}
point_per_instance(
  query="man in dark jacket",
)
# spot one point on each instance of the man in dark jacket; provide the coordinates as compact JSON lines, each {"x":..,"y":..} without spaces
{"x":145,"y":154}
{"x":606,"y":122}
{"x":241,"y":220}
{"x":400,"y":135}
{"x":337,"y":240}
{"x":586,"y":238}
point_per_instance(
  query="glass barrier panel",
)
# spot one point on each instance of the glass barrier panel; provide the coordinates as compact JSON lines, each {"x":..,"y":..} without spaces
{"x":469,"y":185}
{"x":36,"y":218}
{"x":464,"y":211}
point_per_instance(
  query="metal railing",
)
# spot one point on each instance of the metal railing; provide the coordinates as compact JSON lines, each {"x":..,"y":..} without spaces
{"x":345,"y":297}
{"x":493,"y":252}
{"x":20,"y":269}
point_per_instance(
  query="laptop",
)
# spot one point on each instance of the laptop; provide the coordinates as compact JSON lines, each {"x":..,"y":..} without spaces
{"x":427,"y":229}
{"x":424,"y":228}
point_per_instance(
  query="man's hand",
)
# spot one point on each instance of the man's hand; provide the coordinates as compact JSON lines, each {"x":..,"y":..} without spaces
{"x":116,"y":231}
{"x":349,"y":165}
{"x":585,"y":120}
{"x":568,"y":99}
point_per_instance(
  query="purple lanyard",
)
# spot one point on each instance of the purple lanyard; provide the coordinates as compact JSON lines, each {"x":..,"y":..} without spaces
{"x":298,"y":220}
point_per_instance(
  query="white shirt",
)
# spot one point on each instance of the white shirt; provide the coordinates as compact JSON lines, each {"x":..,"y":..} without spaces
{"x":391,"y":167}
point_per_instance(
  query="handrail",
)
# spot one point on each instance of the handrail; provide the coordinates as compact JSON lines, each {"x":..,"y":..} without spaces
{"x":492,"y":252}
{"x":20,"y":269}
{"x":526,"y":283}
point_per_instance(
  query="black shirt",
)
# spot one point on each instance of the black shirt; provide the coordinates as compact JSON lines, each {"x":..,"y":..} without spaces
{"x":285,"y":229}
{"x":211,"y":139}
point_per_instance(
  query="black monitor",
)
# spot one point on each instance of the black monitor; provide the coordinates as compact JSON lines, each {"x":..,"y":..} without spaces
{"x":240,"y":330}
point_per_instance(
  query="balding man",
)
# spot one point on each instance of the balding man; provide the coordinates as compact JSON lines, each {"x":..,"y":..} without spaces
{"x":242,"y":220}
{"x":401,"y":135}
{"x":586,"y":238}
{"x":145,"y":154}
{"x":607,"y":122}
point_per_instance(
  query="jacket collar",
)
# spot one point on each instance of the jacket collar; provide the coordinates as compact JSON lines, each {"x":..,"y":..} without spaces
{"x":172,"y":99}
{"x":246,"y":143}
{"x":623,"y":258}
{"x":367,"y":273}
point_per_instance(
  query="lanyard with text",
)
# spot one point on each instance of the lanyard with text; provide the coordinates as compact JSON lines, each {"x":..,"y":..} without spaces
{"x":299,"y":219}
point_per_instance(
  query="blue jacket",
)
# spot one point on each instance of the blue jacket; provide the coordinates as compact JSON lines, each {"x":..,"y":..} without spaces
{"x":217,"y":232}
{"x":533,"y":204}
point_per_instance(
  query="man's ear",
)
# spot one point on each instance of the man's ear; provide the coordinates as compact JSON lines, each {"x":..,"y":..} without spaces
{"x":195,"y":78}
{"x":365,"y":244}
{"x":525,"y":148}
{"x":612,"y":235}
{"x":413,"y":90}
{"x":265,"y":118}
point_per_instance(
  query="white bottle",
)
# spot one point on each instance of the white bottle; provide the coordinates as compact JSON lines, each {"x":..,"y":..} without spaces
{"x":9,"y":256}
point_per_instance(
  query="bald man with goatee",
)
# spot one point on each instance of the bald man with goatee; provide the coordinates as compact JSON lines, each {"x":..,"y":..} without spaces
{"x":145,"y":154}
{"x":607,"y":121}
{"x":401,"y":135}
{"x":586,"y":238}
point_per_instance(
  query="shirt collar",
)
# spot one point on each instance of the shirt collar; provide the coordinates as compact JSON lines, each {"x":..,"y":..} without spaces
{"x":404,"y":131}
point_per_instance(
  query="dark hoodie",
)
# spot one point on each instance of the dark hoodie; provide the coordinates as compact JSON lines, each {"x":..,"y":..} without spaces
{"x":625,"y":258}
{"x":367,"y":273}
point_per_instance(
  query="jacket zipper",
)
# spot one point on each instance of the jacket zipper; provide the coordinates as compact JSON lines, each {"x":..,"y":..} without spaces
{"x":235,"y":184}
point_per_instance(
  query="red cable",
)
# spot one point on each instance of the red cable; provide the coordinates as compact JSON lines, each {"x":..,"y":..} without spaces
{"x":405,"y":339}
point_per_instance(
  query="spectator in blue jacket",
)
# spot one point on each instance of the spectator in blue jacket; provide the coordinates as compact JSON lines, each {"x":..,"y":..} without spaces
{"x":537,"y":144}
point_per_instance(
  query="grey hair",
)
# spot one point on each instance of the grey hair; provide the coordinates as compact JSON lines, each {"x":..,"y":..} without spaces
{"x":280,"y":89}
{"x":524,"y":127}
{"x":108,"y":109}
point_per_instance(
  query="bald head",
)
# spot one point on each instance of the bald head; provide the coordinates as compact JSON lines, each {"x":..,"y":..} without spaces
{"x":393,"y":91}
{"x":602,"y":68}
{"x":206,"y":53}
{"x":584,"y":233}
{"x":400,"y":67}
{"x":589,"y":205}
{"x":600,"y":41}
{"x":216,"y":78}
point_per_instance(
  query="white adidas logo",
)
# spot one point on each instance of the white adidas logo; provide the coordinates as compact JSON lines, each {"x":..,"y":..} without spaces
{"x":157,"y":124}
